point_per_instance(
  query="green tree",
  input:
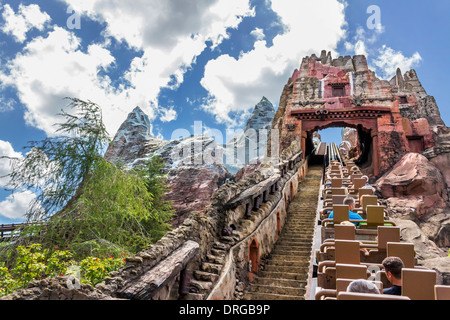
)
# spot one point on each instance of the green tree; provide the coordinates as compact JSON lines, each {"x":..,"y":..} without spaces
{"x":82,"y":198}
{"x":56,"y":167}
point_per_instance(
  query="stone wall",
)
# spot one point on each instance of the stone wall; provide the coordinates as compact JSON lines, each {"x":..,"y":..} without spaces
{"x":262,"y":230}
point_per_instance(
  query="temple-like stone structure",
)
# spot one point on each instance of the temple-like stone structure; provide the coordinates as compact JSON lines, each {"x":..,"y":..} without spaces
{"x":392,"y":117}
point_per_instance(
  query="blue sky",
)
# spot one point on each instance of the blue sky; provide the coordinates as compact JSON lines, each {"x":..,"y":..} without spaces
{"x":183,"y":61}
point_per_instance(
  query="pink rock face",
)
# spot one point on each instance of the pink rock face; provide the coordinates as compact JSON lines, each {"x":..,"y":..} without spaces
{"x":413,"y":175}
{"x":416,"y":206}
{"x":442,"y":162}
{"x":414,"y":183}
{"x":192,"y":188}
{"x":248,"y":169}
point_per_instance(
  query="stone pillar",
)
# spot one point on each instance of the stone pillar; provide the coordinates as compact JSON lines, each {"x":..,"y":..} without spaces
{"x":303,"y":146}
{"x":375,"y":152}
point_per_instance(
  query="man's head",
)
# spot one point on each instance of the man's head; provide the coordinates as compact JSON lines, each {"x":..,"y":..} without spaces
{"x":393,"y":268}
{"x":350,"y":202}
{"x":363,"y":286}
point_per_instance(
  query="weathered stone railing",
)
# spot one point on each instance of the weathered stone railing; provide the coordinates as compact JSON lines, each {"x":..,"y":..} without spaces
{"x":258,"y":233}
{"x":161,"y":274}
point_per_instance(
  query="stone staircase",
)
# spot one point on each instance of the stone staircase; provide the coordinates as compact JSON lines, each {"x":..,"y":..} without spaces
{"x":284,"y":273}
{"x":204,"y":278}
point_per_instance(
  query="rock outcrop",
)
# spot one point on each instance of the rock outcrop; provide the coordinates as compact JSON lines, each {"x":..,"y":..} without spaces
{"x":134,"y":141}
{"x":415,"y":193}
{"x":193,"y":164}
{"x":249,"y":145}
{"x":349,"y":147}
{"x":413,"y":176}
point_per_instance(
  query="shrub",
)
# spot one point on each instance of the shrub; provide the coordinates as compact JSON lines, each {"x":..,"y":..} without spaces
{"x":34,"y":263}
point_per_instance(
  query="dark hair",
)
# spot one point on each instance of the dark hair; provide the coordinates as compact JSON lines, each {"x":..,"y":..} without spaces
{"x":393,"y":265}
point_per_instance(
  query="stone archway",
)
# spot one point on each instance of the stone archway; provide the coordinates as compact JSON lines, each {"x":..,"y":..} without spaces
{"x":365,"y":121}
{"x":328,"y":92}
{"x":368,"y":150}
{"x":291,"y":190}
{"x":278,"y":224}
{"x":253,"y":258}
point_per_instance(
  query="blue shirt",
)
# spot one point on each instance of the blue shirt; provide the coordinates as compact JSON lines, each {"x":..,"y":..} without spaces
{"x":351,"y":216}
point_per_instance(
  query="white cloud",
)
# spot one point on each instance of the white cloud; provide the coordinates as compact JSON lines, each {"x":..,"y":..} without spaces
{"x":235,"y":85}
{"x":163,"y":24}
{"x":27,"y":18}
{"x":15,"y":206}
{"x":384,"y":60}
{"x":361,"y":41}
{"x":258,"y":34}
{"x":52,"y":68}
{"x":389,"y":60}
{"x":6,"y":104}
{"x":169,"y":34}
{"x":168,"y":115}
{"x":6,"y":150}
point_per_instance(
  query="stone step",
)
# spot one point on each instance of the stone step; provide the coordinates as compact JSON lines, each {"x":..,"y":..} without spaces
{"x":279,"y":274}
{"x":276,"y":290}
{"x":270,"y":296}
{"x":303,"y":252}
{"x":296,"y":236}
{"x":282,"y":242}
{"x":287,"y":258}
{"x":218,"y":252}
{"x":205,"y":276}
{"x":221,"y":246}
{"x":215,"y":259}
{"x":280,"y":282}
{"x":229,"y":240}
{"x":290,"y":232}
{"x":296,"y":250}
{"x":287,"y":263}
{"x":211,"y":267}
{"x":294,"y":246}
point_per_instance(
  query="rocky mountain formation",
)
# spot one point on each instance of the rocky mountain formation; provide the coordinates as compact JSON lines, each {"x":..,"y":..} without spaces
{"x":193,"y":172}
{"x":250,"y":144}
{"x":195,"y":165}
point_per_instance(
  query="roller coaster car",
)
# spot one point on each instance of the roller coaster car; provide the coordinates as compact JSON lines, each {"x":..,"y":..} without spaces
{"x":369,"y":296}
{"x":418,"y":284}
{"x":341,"y":287}
{"x":370,"y":251}
{"x":347,"y":252}
{"x":441,"y":292}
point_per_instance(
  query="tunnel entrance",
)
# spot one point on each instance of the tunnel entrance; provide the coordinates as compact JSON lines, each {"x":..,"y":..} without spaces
{"x":354,"y":142}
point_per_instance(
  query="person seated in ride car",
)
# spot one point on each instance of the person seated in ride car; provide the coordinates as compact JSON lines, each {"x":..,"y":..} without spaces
{"x":351,"y":206}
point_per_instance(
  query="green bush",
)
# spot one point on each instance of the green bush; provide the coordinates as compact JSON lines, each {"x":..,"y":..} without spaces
{"x":94,"y":270}
{"x":114,"y":206}
{"x":34,"y":263}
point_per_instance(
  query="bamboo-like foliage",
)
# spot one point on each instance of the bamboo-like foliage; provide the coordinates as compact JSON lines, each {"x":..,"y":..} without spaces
{"x":83,"y":198}
{"x":55,"y":168}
